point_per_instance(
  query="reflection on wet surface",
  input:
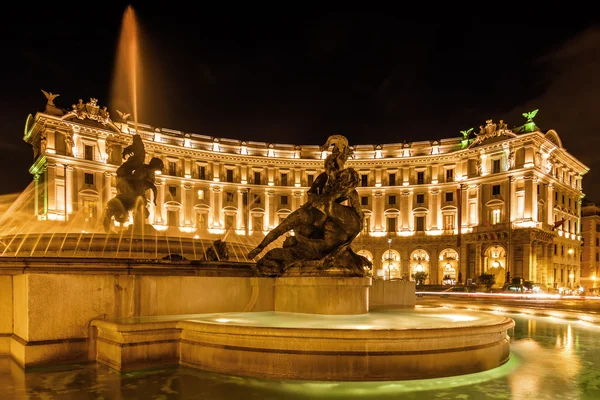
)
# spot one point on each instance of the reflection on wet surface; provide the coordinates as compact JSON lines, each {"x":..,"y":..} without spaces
{"x":551,"y":359}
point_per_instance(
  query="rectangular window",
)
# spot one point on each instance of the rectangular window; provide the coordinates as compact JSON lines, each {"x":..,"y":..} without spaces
{"x":173,"y":191}
{"x":311,"y":179}
{"x":284,"y":179}
{"x":391,"y":200}
{"x":88,"y":152}
{"x":420,"y":198}
{"x":257,"y":177}
{"x":449,"y":196}
{"x":391,"y":224}
{"x":229,"y":176}
{"x":201,"y":172}
{"x":172,"y":168}
{"x":420,"y":178}
{"x":496,"y":216}
{"x":449,"y":222}
{"x":392,"y":181}
{"x":364,"y":200}
{"x":420,"y":224}
{"x":364,"y":180}
{"x":598,"y":228}
{"x":597,"y":242}
{"x":256,"y":199}
{"x":449,"y":175}
{"x":229,"y":197}
{"x":284,"y":200}
{"x":496,"y":190}
{"x":88,"y":178}
{"x":200,"y":194}
{"x":495,"y":166}
{"x":597,"y":256}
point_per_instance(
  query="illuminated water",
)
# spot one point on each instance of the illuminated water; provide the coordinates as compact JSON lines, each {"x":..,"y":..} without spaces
{"x":551,"y":359}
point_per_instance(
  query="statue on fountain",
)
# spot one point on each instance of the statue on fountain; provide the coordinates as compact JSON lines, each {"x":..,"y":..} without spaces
{"x":323,"y":228}
{"x":134,"y":178}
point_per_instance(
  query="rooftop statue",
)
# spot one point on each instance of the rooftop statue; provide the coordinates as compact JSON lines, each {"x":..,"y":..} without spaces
{"x":134,"y":178}
{"x":323,"y":228}
{"x":50,"y":96}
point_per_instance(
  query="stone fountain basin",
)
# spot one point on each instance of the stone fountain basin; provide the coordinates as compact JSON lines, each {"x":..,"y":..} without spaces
{"x":385,"y":344}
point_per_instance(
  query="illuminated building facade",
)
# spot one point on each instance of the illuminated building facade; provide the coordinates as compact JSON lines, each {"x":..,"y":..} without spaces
{"x":454,"y":208}
{"x":590,"y":250}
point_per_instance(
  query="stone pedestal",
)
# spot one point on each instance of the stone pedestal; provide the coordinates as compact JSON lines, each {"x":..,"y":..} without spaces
{"x":335,"y":295}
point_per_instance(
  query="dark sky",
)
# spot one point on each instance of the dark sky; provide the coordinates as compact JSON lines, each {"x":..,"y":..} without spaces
{"x":299,"y":77}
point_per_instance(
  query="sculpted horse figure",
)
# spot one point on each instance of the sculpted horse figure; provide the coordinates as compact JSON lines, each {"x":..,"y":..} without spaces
{"x":132,"y":192}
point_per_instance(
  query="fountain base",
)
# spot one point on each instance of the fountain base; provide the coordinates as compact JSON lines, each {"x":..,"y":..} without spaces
{"x":332,"y":295}
{"x":381,"y":345}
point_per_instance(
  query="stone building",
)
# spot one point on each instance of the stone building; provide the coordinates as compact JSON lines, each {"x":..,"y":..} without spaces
{"x":493,"y":201}
{"x":590,"y":249}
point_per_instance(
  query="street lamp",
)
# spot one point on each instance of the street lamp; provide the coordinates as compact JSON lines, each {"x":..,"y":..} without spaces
{"x":571,"y":278}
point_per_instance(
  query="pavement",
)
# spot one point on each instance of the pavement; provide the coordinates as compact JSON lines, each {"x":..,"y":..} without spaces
{"x":572,"y":307}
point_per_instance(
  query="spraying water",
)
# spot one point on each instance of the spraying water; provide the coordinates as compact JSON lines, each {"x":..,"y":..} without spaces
{"x":126,"y":87}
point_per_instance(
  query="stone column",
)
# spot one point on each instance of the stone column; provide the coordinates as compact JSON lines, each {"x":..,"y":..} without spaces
{"x":404,"y":261}
{"x":187,"y":204}
{"x":270,"y":208}
{"x":434,"y":209}
{"x":240,"y":223}
{"x":404,"y":210}
{"x":478,"y":259}
{"x":69,"y":190}
{"x":51,"y":187}
{"x":411,"y":219}
{"x":479,"y":200}
{"x":527,"y":265}
{"x":216,"y":170}
{"x":106,"y":189}
{"x":434,"y":277}
{"x":464,"y":192}
{"x":213,"y":216}
{"x":528,"y":212}
{"x":463,"y":262}
{"x":534,"y":262}
{"x":378,"y":211}
{"x":36,"y":194}
{"x":159,"y":214}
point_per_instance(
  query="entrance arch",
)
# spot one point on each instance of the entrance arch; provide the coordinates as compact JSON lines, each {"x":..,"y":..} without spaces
{"x":390,"y":265}
{"x":494,"y":263}
{"x":448,"y":266}
{"x":419,"y":262}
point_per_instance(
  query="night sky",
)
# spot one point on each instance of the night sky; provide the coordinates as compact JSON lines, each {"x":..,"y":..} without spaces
{"x":299,"y":77}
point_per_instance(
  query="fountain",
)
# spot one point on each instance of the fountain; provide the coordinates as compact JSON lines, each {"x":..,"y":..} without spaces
{"x":320,"y":327}
{"x":130,"y":296}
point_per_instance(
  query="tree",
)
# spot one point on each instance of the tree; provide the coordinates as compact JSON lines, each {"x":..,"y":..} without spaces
{"x":487,"y":279}
{"x":420,"y":277}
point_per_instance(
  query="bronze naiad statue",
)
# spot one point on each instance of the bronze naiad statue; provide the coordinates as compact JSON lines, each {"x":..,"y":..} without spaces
{"x":134,"y":178}
{"x":323,"y":227}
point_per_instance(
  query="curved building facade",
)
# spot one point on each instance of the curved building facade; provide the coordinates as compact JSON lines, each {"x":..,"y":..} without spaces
{"x":503,"y":200}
